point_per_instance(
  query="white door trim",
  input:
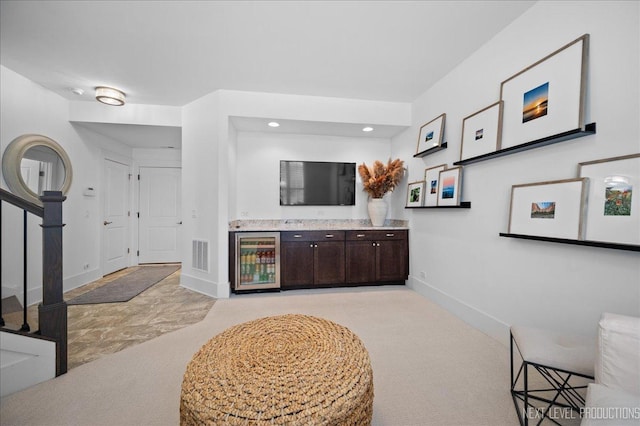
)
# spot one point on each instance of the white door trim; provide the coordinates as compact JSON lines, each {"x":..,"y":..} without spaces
{"x":125,"y":219}
{"x":159,"y":231}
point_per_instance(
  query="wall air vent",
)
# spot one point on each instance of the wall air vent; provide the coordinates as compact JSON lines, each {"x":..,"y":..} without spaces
{"x":200,"y":253}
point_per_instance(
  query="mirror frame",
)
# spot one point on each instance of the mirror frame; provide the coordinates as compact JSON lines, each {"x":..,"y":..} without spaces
{"x":12,"y":158}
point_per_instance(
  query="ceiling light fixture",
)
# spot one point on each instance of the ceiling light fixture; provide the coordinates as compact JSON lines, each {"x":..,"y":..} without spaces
{"x":77,"y":91}
{"x":367,"y":129}
{"x":273,"y":124}
{"x":110,"y":96}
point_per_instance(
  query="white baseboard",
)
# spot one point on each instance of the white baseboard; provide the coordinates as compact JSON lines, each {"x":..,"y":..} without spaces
{"x":34,"y":295}
{"x":8,"y":291}
{"x":80,"y":279}
{"x":208,"y":288}
{"x":484,"y":322}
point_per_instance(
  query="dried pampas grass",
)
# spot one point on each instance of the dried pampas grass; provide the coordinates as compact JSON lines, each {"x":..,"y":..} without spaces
{"x":380,"y":179}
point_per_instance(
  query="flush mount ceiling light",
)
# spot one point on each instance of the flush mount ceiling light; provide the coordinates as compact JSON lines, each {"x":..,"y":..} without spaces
{"x":273,"y":124}
{"x":110,"y":96}
{"x":367,"y":129}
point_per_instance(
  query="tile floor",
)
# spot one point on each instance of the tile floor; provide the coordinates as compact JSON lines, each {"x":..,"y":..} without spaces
{"x":96,"y":330}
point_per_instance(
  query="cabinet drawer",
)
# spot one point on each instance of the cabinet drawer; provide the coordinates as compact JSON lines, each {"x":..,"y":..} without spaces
{"x":312,"y":236}
{"x":377,"y":235}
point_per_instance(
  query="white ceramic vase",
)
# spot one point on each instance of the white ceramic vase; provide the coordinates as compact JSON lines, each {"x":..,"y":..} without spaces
{"x":377,"y":211}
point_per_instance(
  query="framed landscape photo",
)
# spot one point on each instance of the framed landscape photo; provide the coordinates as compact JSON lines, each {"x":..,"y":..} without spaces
{"x":431,"y":179}
{"x":613,"y":210}
{"x":415,"y":194}
{"x":450,"y":186}
{"x":431,"y":134}
{"x":548,"y":209}
{"x":548,"y":97}
{"x":481,"y":132}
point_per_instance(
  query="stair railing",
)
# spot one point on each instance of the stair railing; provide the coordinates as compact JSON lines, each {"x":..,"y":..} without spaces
{"x":52,"y":312}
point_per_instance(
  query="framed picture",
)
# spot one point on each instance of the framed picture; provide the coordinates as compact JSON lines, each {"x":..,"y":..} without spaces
{"x":449,"y":186}
{"x":613,"y":210}
{"x":431,"y":179}
{"x":415,"y":194}
{"x":481,"y":132}
{"x":431,"y":134}
{"x":548,"y":97}
{"x":548,"y":209}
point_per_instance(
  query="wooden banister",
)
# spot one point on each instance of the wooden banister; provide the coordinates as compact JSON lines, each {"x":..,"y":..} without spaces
{"x":21,"y":203}
{"x":52,"y":312}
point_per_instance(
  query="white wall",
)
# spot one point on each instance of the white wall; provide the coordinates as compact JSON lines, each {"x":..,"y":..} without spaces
{"x":29,"y":108}
{"x":200,"y":190}
{"x":258,"y":172}
{"x":213,"y":163}
{"x":493,"y":282}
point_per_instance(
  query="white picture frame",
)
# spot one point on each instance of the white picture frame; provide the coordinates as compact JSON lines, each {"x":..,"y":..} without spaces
{"x":431,"y":179}
{"x":552,"y":209}
{"x":450,"y":186}
{"x":431,"y":134}
{"x":482,"y":132}
{"x":613,"y":209}
{"x":546,"y":98}
{"x":415,"y":194}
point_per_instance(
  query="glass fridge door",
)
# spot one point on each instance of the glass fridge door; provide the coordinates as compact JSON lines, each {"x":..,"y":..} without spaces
{"x":257,"y":261}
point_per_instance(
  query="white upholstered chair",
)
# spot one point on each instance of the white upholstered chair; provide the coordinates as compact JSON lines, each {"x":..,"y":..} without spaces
{"x":614,"y":398}
{"x":549,"y":374}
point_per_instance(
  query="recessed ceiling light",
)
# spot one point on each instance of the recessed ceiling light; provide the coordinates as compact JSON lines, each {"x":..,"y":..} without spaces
{"x":367,"y":129}
{"x":273,"y":124}
{"x":110,"y":96}
{"x":77,"y":91}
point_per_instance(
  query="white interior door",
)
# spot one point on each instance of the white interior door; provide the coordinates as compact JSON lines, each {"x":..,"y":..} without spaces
{"x":160,"y":214}
{"x":115,"y":235}
{"x":30,"y":171}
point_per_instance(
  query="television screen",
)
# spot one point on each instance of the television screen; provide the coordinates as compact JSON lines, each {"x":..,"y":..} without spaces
{"x":317,"y":183}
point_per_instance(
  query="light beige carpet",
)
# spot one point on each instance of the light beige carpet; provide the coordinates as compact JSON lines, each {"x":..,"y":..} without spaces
{"x":429,"y":367}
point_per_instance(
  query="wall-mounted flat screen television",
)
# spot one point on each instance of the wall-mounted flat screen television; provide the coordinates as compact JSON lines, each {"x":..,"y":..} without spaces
{"x":317,"y":183}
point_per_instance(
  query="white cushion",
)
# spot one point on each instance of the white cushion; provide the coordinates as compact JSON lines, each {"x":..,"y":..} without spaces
{"x":618,"y":359}
{"x":610,"y":407}
{"x":561,"y":351}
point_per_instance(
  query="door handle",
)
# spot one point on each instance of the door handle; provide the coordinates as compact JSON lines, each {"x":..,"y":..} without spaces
{"x":179,"y":223}
{"x":107,"y":223}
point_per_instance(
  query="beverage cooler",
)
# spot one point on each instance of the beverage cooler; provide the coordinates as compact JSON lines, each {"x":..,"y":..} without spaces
{"x":257,"y":261}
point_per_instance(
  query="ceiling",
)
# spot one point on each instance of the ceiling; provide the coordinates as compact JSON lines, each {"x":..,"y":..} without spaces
{"x":173,"y":52}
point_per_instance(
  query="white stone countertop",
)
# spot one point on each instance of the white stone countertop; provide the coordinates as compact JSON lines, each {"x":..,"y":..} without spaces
{"x":313,"y":225}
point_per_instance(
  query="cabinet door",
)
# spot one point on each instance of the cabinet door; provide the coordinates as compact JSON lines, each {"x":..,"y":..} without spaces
{"x":391,"y":260}
{"x":329,"y":264}
{"x":361,"y":261}
{"x":296,"y":264}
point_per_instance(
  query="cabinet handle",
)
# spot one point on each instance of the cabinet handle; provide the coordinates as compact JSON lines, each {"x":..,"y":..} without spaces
{"x":373,"y":244}
{"x":378,"y":245}
{"x":315,"y":245}
{"x":360,"y":236}
{"x":311,"y":245}
{"x":297,"y":236}
{"x":328,"y":236}
{"x":390,"y":235}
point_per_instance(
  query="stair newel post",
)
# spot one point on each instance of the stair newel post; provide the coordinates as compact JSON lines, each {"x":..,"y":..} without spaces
{"x":25,"y":323}
{"x":52,"y":312}
{"x":1,"y":316}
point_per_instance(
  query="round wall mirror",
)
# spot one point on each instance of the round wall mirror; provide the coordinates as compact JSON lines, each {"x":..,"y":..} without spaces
{"x":32,"y":164}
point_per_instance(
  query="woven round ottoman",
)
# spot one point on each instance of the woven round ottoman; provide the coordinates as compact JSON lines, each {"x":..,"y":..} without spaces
{"x":281,"y":370}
